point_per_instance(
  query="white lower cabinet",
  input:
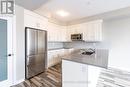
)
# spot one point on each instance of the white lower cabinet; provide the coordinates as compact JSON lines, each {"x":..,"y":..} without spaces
{"x":79,"y":75}
{"x":54,"y":56}
{"x":74,"y":74}
{"x":93,"y":75}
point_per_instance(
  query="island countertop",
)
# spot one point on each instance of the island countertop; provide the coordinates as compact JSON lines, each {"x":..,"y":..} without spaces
{"x":99,"y":58}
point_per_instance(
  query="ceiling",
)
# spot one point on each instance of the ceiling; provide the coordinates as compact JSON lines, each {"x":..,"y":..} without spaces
{"x":77,"y":9}
{"x":30,"y":4}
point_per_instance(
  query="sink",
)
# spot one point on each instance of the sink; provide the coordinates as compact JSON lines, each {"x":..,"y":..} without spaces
{"x":88,"y":51}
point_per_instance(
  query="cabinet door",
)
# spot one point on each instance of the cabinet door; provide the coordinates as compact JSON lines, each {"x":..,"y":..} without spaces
{"x":74,"y":74}
{"x":56,"y":33}
{"x":92,"y":31}
{"x":49,"y":59}
{"x":73,"y":29}
{"x":93,"y":75}
{"x":41,"y":23}
{"x":35,"y":21}
{"x":29,"y":21}
{"x":52,"y":58}
{"x":51,"y":32}
{"x":68,"y":33}
{"x":97,"y":31}
{"x":79,"y":29}
{"x":63,"y":34}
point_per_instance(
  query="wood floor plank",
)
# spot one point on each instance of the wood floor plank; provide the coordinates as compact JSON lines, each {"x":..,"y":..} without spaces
{"x":27,"y":83}
{"x":50,"y":78}
{"x":36,"y":82}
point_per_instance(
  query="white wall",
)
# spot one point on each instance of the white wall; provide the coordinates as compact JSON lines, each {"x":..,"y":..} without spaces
{"x":117,"y":39}
{"x":20,"y":45}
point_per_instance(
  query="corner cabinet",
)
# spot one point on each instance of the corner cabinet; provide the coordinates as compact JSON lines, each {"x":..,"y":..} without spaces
{"x":92,"y":31}
{"x":34,"y":20}
{"x":79,"y":75}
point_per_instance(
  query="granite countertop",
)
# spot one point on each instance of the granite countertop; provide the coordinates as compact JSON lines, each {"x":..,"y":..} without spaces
{"x":99,"y":58}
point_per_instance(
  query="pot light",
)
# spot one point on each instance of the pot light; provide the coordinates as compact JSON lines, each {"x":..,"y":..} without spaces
{"x":62,"y":13}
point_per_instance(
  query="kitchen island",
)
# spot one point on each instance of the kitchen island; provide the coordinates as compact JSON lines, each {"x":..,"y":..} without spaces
{"x":79,"y":70}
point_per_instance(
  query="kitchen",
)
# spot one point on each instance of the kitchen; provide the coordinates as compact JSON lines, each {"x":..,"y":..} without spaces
{"x":107,"y":31}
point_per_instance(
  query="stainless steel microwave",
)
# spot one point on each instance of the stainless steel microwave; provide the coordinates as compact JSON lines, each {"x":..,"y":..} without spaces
{"x":76,"y":37}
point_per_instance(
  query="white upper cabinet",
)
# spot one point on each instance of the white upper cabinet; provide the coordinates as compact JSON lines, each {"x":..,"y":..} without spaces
{"x":56,"y":33}
{"x":34,"y":20}
{"x":92,"y":31}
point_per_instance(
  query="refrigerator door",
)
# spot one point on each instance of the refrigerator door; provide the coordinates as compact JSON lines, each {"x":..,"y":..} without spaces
{"x":42,"y":41}
{"x":35,"y":65}
{"x":36,"y":51}
{"x":31,"y":42}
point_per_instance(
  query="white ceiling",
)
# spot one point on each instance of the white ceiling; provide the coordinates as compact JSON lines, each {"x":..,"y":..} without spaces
{"x":30,"y":4}
{"x":79,"y":8}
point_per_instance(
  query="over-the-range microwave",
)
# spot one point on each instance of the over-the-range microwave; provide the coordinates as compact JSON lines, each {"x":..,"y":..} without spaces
{"x":76,"y":37}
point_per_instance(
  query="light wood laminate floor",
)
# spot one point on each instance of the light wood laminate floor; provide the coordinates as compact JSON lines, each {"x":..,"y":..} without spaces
{"x":50,"y":78}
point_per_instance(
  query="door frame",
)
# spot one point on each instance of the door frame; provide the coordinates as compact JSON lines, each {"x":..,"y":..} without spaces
{"x":9,"y":81}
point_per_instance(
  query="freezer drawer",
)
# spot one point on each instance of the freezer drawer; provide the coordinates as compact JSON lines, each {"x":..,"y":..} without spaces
{"x":34,"y":65}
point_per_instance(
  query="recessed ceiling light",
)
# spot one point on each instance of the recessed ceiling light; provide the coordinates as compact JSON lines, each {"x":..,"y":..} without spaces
{"x":62,"y":13}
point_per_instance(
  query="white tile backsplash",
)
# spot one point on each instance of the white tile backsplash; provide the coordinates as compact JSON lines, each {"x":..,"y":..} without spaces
{"x":55,"y":45}
{"x":83,"y":45}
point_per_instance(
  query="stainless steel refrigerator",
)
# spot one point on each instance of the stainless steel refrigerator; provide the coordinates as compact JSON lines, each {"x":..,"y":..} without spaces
{"x":36,"y":51}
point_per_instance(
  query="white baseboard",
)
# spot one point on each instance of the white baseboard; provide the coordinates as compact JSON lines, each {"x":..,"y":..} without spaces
{"x":19,"y":81}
